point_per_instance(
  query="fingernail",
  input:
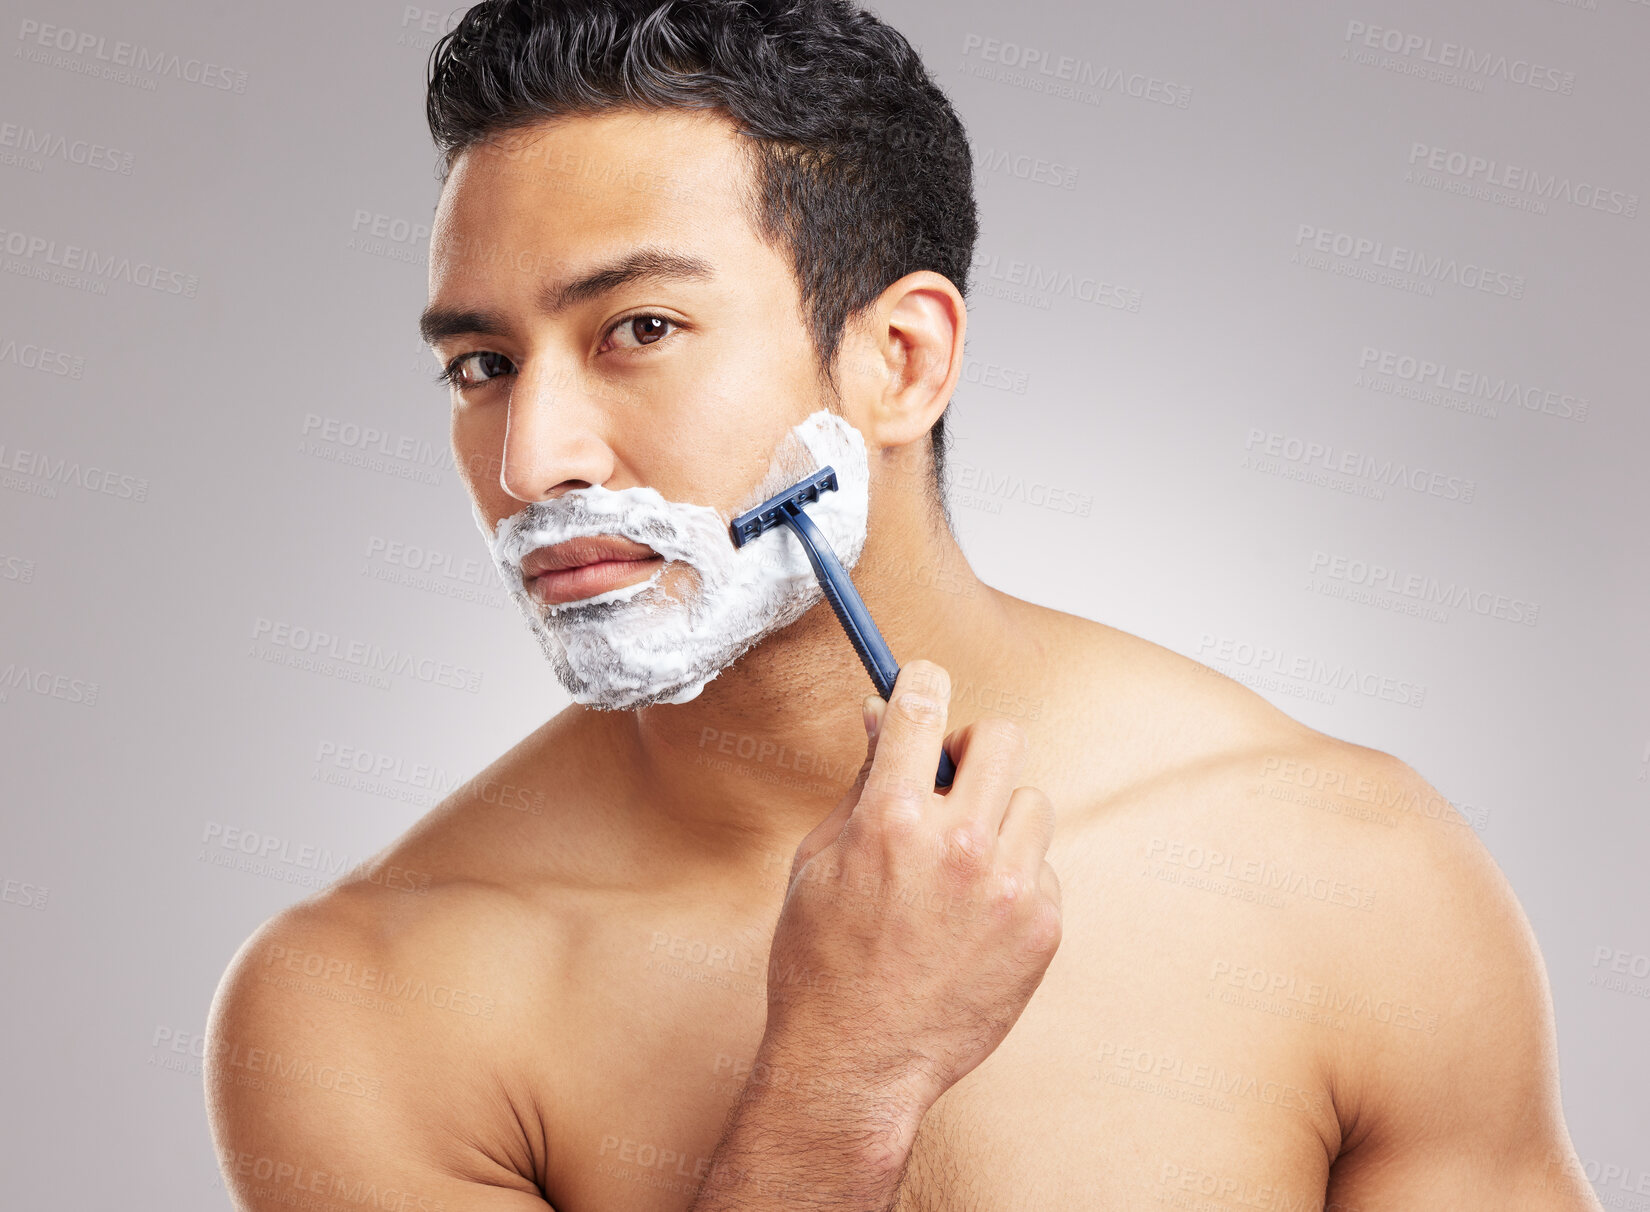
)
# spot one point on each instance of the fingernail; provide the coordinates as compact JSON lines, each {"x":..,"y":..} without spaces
{"x":873,"y":717}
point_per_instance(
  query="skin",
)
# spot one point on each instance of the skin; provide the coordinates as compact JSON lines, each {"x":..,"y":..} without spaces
{"x":555,"y":989}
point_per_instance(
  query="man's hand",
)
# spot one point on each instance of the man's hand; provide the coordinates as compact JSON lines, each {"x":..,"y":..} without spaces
{"x":917,"y":925}
{"x":915,"y":928}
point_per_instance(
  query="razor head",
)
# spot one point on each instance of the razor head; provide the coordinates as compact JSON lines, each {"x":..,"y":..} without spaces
{"x":771,"y":513}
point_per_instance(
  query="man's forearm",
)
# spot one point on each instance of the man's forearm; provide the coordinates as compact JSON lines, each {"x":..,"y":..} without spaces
{"x":811,"y":1143}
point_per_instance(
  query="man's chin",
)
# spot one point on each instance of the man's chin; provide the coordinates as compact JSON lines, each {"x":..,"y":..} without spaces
{"x":587,"y":696}
{"x":609,"y":693}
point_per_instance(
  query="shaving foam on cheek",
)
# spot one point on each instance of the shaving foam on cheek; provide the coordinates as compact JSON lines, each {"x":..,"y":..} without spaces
{"x":662,"y":639}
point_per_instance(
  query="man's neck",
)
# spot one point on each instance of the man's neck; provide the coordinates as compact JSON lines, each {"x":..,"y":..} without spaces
{"x":739,"y":774}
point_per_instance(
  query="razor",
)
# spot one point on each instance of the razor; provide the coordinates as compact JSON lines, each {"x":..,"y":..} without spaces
{"x":786,"y":510}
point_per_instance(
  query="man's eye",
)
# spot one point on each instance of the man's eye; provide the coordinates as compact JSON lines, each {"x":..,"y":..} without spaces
{"x":472,"y":369}
{"x":644,"y":327}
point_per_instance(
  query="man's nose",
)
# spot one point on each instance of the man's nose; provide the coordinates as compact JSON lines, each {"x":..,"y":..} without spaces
{"x":553,"y":437}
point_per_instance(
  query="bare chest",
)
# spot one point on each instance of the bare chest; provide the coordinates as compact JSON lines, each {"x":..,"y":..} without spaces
{"x":1131,"y":1078}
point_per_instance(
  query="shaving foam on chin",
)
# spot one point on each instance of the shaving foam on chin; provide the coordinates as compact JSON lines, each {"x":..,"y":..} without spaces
{"x":662,"y":639}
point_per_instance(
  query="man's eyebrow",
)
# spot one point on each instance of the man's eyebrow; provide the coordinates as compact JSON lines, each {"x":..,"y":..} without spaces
{"x":644,"y":264}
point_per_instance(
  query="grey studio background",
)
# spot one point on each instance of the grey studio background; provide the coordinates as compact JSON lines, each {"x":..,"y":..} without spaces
{"x":1237,"y":261}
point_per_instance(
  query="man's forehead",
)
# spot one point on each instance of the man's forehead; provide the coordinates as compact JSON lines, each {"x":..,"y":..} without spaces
{"x":624,"y":158}
{"x":551,"y":197}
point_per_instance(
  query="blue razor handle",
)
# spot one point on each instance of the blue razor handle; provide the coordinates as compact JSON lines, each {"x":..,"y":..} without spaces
{"x":786,"y":510}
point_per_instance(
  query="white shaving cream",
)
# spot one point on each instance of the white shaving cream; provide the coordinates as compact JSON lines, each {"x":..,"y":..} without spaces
{"x":648,"y":643}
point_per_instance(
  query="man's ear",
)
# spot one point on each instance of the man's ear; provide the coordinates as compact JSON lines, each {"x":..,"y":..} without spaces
{"x":902,"y":359}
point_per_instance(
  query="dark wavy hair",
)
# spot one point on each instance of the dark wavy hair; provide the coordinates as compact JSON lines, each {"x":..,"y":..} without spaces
{"x":861,"y":169}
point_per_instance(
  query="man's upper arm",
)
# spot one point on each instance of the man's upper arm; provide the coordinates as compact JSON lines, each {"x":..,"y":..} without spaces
{"x":319,"y":1090}
{"x":1458,"y":1107}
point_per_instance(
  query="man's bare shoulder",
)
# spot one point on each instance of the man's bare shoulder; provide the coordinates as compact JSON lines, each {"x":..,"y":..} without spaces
{"x":480,"y":895}
{"x":1155,"y":723}
{"x":1295,"y":809}
{"x":385,"y":1029}
{"x":424,"y":983}
{"x":442,"y":928}
{"x":1332,"y":885}
{"x":1444,"y":1051}
{"x":1186,"y":766}
{"x":1379,"y":917}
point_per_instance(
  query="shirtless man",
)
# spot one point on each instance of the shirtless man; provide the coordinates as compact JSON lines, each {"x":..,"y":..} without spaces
{"x":726,"y":952}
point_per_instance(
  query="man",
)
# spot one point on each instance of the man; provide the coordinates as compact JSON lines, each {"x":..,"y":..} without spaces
{"x":698,"y":943}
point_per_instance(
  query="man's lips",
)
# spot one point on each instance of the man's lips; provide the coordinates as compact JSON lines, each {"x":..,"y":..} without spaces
{"x":584,"y":567}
